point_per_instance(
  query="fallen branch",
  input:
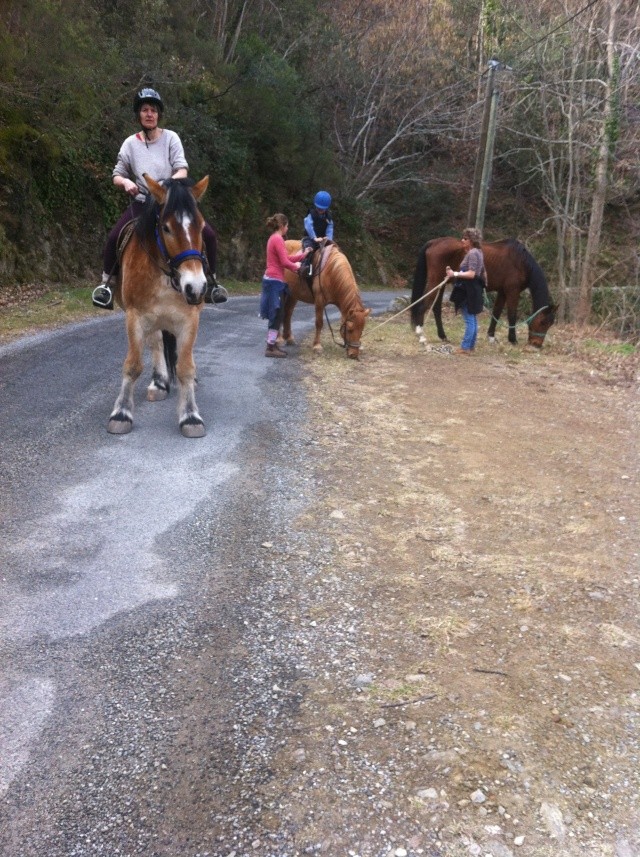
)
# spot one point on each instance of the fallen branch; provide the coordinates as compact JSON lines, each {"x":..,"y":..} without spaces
{"x":407,"y":702}
{"x":489,"y":672}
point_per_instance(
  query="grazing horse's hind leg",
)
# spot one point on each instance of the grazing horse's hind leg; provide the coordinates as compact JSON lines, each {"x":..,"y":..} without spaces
{"x":159,"y":387}
{"x":437,"y":315}
{"x":121,"y":419}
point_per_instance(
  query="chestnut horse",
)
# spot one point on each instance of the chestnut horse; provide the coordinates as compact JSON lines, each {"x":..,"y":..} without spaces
{"x":510,"y":269}
{"x":161,"y":287}
{"x":333,"y":283}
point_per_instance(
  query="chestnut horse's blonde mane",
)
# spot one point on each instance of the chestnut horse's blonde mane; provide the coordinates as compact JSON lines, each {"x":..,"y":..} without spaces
{"x":336,"y":276}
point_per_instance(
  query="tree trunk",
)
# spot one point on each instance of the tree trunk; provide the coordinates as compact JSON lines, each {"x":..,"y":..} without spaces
{"x":583,"y":310}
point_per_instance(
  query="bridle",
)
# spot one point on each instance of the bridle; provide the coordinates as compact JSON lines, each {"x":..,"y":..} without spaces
{"x":343,"y":333}
{"x":174,"y":262}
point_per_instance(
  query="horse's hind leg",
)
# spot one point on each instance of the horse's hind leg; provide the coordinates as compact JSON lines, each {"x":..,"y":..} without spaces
{"x":496,"y":312}
{"x":190,"y":422}
{"x":159,"y":387}
{"x":317,"y":345}
{"x":287,"y":335}
{"x":437,"y":315}
{"x":121,"y":419}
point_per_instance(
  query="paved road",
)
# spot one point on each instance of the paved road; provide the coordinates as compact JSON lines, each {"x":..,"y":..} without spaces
{"x":128,"y":689}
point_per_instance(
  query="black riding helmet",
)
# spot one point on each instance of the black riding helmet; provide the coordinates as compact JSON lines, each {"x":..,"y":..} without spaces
{"x":147,"y":96}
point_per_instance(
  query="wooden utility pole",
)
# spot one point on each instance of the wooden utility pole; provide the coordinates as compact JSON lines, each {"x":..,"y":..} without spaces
{"x":484,"y":159}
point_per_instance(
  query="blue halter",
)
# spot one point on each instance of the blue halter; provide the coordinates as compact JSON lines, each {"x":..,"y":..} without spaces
{"x":174,"y":262}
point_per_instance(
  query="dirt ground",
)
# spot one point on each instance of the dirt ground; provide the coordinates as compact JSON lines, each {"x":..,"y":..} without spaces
{"x":477,"y":687}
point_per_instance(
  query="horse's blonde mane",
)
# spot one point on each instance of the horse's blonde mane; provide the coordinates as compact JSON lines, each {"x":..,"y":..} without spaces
{"x":343,"y":281}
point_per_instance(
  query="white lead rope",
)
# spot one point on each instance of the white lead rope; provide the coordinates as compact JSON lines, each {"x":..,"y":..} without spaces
{"x":404,"y":309}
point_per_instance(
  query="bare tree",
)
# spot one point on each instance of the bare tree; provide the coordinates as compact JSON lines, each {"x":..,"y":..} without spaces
{"x":566,"y":113}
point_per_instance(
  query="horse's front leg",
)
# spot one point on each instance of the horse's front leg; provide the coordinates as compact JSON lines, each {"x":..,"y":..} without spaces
{"x":159,"y":387}
{"x":190,"y":422}
{"x":512,"y":315}
{"x":495,"y":315}
{"x":121,"y":419}
{"x":289,"y":305}
{"x":317,"y":347}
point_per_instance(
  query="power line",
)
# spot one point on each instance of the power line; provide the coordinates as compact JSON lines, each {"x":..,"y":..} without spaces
{"x":559,"y":27}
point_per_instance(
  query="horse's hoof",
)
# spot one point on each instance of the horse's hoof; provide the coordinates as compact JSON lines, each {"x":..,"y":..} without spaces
{"x":120,"y":425}
{"x":491,"y":340}
{"x":192,"y":427}
{"x":156,"y":394}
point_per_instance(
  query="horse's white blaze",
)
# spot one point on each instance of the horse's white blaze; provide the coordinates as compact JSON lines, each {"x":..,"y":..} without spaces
{"x":186,"y":224}
{"x":190,"y":278}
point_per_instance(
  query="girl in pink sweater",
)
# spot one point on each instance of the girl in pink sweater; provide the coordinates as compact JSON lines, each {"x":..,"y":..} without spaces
{"x":273,"y":284}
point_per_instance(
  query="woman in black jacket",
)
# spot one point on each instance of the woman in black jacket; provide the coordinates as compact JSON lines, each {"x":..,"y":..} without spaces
{"x":470,"y":282}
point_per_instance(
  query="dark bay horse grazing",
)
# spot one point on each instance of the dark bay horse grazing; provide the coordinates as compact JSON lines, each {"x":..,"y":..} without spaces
{"x":161,"y":287}
{"x":333,"y":283}
{"x":510,"y":269}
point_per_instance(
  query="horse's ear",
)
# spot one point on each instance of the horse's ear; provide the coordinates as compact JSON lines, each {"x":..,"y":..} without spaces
{"x":199,"y":188}
{"x":158,"y":192}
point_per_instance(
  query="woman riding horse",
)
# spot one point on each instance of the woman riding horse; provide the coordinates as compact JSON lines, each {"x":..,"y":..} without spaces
{"x":159,"y":152}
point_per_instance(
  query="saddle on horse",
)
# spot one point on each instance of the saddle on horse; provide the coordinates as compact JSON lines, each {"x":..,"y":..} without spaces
{"x":313,"y":264}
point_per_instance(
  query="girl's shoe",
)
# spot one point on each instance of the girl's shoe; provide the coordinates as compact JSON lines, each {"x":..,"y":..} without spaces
{"x":275,"y":351}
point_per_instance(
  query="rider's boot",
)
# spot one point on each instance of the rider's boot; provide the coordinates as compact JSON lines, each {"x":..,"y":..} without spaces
{"x":102,"y":295}
{"x":215,"y":293}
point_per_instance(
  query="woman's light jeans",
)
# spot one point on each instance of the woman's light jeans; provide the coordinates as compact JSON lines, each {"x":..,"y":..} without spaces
{"x":470,"y":330}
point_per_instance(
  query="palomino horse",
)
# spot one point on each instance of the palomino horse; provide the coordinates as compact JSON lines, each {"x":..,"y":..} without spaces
{"x":161,"y":287}
{"x":510,"y":269}
{"x":333,"y":283}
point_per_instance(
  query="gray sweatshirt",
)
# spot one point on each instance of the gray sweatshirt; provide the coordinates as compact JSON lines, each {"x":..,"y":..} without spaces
{"x":159,"y":159}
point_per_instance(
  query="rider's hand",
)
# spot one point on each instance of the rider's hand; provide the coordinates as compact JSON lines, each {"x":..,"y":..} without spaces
{"x":130,"y":187}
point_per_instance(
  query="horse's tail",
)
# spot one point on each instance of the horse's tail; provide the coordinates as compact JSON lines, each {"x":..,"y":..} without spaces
{"x":419,"y":285}
{"x":170,"y":345}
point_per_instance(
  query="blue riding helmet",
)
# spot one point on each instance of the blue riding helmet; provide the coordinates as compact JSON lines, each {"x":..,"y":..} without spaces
{"x":322,"y":200}
{"x":147,"y":96}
